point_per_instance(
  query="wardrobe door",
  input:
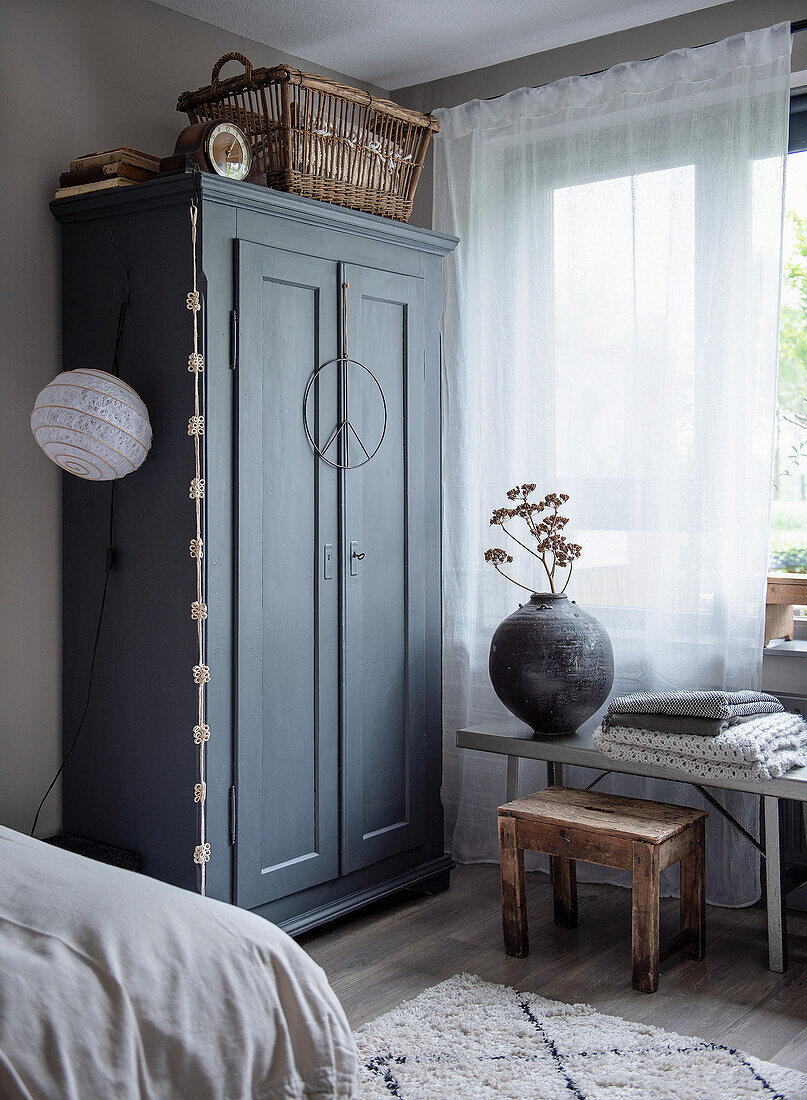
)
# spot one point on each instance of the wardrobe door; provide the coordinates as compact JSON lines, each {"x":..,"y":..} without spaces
{"x":383,"y":713}
{"x":288,"y":578}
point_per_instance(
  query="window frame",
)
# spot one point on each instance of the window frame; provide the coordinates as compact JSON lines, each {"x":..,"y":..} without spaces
{"x":794,"y":584}
{"x":797,"y":141}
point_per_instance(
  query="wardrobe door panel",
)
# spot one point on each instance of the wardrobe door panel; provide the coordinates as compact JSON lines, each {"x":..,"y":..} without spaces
{"x":288,"y":609}
{"x":383,"y":537}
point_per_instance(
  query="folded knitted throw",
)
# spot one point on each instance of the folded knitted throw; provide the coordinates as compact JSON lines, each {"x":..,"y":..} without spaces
{"x":764,"y":748}
{"x":696,"y":704}
{"x":674,"y":723}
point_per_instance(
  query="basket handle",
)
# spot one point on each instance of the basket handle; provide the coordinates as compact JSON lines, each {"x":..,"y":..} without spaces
{"x":222,"y":61}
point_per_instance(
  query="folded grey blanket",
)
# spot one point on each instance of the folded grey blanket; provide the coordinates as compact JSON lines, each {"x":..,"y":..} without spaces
{"x":674,"y":723}
{"x":765,"y":748}
{"x":696,"y":704}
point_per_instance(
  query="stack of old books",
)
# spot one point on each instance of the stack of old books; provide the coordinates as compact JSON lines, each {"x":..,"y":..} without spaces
{"x":103,"y":171}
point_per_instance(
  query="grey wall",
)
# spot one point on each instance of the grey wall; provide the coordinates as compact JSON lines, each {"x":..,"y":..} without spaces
{"x":596,"y":54}
{"x":77,"y":76}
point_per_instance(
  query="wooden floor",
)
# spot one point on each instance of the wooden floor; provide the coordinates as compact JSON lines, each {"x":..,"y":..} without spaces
{"x":401,"y":946}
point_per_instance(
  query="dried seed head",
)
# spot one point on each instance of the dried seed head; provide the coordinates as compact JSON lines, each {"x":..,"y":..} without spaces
{"x":497,"y":556}
{"x":500,"y":515}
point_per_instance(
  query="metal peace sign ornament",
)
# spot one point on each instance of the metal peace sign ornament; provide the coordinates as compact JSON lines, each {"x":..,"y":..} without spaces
{"x":345,"y":428}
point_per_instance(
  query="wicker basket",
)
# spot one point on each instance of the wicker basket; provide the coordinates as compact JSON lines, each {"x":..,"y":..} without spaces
{"x":320,"y":139}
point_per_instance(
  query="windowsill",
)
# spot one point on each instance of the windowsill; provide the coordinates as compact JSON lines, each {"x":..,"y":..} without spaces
{"x":780,"y":648}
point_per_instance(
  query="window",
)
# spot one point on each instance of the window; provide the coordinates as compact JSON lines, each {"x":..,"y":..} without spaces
{"x":788,"y":545}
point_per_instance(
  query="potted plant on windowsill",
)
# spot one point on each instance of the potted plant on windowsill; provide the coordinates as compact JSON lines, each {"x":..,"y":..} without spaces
{"x":551,"y":663}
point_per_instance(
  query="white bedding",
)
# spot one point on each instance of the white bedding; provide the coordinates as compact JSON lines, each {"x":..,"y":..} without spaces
{"x":114,"y":985}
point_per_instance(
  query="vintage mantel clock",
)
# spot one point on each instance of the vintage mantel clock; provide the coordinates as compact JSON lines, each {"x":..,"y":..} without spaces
{"x":219,"y":146}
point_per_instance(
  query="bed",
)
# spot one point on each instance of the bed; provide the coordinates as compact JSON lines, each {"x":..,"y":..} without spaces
{"x":116,"y":985}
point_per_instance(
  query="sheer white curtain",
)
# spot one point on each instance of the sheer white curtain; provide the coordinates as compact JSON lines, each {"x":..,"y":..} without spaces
{"x":611,"y":324}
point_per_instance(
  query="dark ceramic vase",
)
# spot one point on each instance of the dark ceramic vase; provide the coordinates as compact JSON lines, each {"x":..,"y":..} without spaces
{"x":551,"y":664}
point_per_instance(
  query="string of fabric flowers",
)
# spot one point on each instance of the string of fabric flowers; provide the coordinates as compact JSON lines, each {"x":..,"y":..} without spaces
{"x":201,"y":671}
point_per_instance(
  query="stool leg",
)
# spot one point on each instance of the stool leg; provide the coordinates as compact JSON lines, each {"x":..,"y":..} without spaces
{"x":564,"y":888}
{"x":514,"y":897}
{"x":693,"y":896}
{"x":645,"y":930}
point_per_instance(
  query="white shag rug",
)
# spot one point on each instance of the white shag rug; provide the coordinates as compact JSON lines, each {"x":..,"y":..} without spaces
{"x":468,"y":1039}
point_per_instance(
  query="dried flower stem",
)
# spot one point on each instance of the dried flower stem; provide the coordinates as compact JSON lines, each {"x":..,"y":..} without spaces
{"x":520,"y":585}
{"x":522,"y":544}
{"x":537,"y":536}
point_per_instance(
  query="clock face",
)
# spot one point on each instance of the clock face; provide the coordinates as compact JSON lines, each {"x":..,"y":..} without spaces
{"x":228,"y":151}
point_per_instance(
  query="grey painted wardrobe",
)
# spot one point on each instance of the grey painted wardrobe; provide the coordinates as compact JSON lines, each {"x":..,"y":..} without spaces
{"x":323,"y":584}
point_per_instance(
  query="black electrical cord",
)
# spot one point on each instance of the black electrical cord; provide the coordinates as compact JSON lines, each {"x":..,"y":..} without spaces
{"x":110,"y":555}
{"x":74,"y":742}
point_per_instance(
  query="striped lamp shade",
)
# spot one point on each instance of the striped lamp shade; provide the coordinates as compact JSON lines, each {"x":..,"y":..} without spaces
{"x":92,"y":425}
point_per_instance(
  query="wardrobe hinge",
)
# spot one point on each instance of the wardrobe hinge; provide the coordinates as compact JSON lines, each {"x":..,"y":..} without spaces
{"x":233,"y":339}
{"x":233,"y":815}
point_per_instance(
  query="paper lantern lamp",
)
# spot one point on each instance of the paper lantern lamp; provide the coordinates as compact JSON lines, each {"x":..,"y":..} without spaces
{"x":92,"y":425}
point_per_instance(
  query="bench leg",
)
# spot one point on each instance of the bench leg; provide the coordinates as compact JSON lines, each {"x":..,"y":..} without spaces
{"x":645,"y":925}
{"x":514,"y":897}
{"x":554,"y":774}
{"x":564,"y":889}
{"x":693,"y":896}
{"x":512,"y":777}
{"x":777,"y":921}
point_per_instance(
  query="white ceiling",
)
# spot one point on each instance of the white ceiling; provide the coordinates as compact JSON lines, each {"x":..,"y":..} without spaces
{"x":397,"y":43}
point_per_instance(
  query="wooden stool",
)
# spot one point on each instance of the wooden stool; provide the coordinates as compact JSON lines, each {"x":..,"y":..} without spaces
{"x":630,"y":833}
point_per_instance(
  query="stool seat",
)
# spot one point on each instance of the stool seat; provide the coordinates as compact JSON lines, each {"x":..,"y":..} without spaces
{"x":630,"y":833}
{"x":610,"y":814}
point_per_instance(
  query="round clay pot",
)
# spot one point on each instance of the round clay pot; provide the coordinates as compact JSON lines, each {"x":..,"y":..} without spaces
{"x":551,"y":663}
